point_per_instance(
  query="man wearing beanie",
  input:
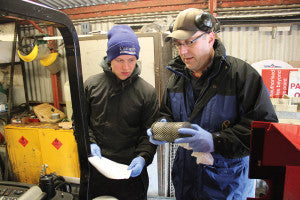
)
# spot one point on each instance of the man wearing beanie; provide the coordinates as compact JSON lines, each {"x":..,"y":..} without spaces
{"x":121,"y":107}
{"x":220,"y":95}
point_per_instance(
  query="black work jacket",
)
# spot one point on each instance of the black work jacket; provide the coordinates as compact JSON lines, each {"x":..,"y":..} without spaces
{"x":119,"y":114}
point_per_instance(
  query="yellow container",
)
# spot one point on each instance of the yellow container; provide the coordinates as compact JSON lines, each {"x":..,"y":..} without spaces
{"x":59,"y":151}
{"x":24,"y":152}
{"x":31,"y":146}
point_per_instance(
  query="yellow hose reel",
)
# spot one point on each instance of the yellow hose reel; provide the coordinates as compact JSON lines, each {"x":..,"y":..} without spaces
{"x":37,"y":53}
{"x":49,"y":60}
{"x":31,"y":56}
{"x":52,"y":62}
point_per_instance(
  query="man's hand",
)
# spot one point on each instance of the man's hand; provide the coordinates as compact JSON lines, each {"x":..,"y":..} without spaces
{"x":95,"y":150}
{"x":153,"y":141}
{"x":136,"y":165}
{"x":200,"y":140}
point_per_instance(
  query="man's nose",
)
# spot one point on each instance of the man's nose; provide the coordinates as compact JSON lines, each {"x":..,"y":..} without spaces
{"x":183,"y":49}
{"x":125,"y":65}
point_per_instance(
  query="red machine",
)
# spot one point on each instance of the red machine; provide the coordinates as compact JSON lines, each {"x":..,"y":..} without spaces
{"x":275,"y":157}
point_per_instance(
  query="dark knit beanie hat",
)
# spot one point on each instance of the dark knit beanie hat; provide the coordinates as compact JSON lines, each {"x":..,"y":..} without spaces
{"x":122,"y":41}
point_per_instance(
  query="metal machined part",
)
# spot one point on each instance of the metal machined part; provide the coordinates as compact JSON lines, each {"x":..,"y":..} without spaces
{"x":168,"y":131}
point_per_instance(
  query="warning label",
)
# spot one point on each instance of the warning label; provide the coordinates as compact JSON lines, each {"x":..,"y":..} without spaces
{"x":56,"y":143}
{"x":23,"y":141}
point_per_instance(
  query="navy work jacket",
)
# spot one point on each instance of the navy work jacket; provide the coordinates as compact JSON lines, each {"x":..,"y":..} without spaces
{"x":233,"y":96}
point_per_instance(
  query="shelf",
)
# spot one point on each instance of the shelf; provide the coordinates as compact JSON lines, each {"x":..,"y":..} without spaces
{"x":4,"y":113}
{"x":288,"y":115}
{"x":8,"y":64}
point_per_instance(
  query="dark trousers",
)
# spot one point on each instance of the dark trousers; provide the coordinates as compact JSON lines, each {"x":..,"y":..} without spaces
{"x":124,"y":189}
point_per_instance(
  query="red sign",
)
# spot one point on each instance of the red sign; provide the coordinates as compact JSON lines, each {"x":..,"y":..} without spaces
{"x":23,"y":141}
{"x":56,"y":143}
{"x":277,"y":81}
{"x":294,"y":84}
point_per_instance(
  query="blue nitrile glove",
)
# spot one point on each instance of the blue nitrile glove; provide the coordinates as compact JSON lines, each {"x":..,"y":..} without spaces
{"x":200,"y":140}
{"x":136,"y":165}
{"x":95,"y":150}
{"x":156,"y":142}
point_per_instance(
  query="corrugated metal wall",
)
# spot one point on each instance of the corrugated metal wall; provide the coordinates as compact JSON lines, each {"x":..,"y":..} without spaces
{"x":250,"y":43}
{"x":59,"y":4}
{"x":38,"y":78}
{"x":253,"y":43}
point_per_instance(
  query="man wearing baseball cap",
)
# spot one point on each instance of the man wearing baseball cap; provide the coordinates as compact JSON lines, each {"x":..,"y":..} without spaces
{"x":220,"y":95}
{"x":121,"y":106}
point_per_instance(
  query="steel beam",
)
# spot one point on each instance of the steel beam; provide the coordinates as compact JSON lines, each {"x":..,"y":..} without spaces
{"x":147,"y":6}
{"x":133,"y":8}
{"x":252,"y":3}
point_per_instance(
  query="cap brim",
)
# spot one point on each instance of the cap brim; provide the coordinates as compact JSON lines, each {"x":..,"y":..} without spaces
{"x":180,"y":35}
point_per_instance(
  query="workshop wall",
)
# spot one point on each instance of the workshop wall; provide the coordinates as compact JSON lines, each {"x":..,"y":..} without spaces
{"x":251,"y":43}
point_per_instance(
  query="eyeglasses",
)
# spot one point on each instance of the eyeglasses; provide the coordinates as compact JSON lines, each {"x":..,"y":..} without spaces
{"x":188,"y":43}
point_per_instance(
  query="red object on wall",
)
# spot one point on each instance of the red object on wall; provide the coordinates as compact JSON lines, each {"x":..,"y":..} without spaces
{"x":275,"y":157}
{"x":277,"y":81}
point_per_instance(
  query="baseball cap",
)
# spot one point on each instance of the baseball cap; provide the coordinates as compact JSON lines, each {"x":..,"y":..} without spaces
{"x":184,"y":25}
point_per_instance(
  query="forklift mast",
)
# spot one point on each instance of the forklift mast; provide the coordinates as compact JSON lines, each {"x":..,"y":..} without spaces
{"x":28,"y":10}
